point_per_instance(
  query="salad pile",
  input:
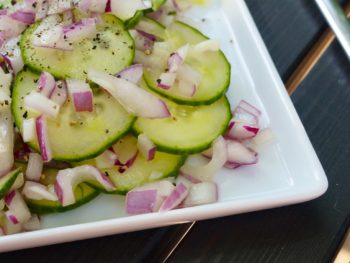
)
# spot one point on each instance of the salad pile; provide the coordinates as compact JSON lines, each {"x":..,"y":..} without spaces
{"x":117,"y":97}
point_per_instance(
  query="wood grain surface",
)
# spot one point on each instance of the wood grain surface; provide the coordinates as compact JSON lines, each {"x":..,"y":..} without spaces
{"x":309,"y":232}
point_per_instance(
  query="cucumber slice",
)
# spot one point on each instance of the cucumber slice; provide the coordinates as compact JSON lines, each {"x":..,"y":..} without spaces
{"x":7,"y":181}
{"x":139,"y":173}
{"x":190,"y":130}
{"x":213,"y":66}
{"x":110,"y":51}
{"x":83,"y":194}
{"x":75,"y":136}
{"x":156,"y":4}
{"x":131,"y":22}
{"x":151,"y":26}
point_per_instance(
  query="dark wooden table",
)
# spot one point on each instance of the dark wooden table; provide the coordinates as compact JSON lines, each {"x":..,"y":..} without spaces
{"x":309,"y":232}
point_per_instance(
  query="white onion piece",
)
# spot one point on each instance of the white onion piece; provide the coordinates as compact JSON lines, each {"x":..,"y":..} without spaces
{"x":81,"y":95}
{"x":42,"y":134}
{"x":126,"y":9}
{"x":39,"y":103}
{"x":206,"y":172}
{"x":46,"y":84}
{"x":37,"y":191}
{"x":134,"y":99}
{"x":12,"y":53}
{"x":23,"y":16}
{"x":241,"y":130}
{"x":59,"y":6}
{"x":132,"y":74}
{"x":6,"y":140}
{"x":60,"y":93}
{"x":86,"y":28}
{"x":97,"y":6}
{"x":68,"y":179}
{"x":126,"y":151}
{"x":35,"y":167}
{"x":146,"y":147}
{"x":187,"y":73}
{"x":42,"y":8}
{"x":106,"y":160}
{"x":175,"y":198}
{"x":166,"y":80}
{"x":28,"y":130}
{"x":202,"y":193}
{"x":209,"y":45}
{"x":18,"y":208}
{"x":32,"y":224}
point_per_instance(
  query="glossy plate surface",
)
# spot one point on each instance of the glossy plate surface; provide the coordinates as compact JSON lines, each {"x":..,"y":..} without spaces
{"x":288,"y":170}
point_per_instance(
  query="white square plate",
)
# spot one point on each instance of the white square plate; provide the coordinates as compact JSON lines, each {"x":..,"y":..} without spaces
{"x":288,"y":171}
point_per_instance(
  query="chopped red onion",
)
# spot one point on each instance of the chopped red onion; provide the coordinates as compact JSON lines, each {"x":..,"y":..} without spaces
{"x":9,"y":228}
{"x":132,"y":74}
{"x":60,"y":93}
{"x":201,"y":193}
{"x":28,"y":130}
{"x":18,"y":209}
{"x":67,"y":18}
{"x":37,"y":191}
{"x":192,"y":179}
{"x":98,"y":6}
{"x":207,"y":171}
{"x":141,"y":202}
{"x":187,"y":73}
{"x":108,"y":7}
{"x":11,"y":217}
{"x":10,"y":28}
{"x":146,"y":147}
{"x":166,"y":80}
{"x":182,"y":179}
{"x":46,"y":84}
{"x":11,"y":52}
{"x":42,"y":134}
{"x":126,"y":9}
{"x":35,"y":167}
{"x":81,"y":95}
{"x":241,"y":130}
{"x":24,"y":17}
{"x":177,"y":58}
{"x":106,"y":160}
{"x":187,"y":89}
{"x":264,"y":136}
{"x":126,"y":151}
{"x":175,"y":198}
{"x":209,"y":45}
{"x":239,"y":155}
{"x":68,"y":179}
{"x":86,"y":28}
{"x":247,"y":107}
{"x":32,"y":224}
{"x":141,"y":42}
{"x":134,"y":99}
{"x":42,"y":7}
{"x":39,"y":103}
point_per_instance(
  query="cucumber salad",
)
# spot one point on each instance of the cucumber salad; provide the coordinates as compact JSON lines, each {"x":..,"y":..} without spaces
{"x":114,"y":97}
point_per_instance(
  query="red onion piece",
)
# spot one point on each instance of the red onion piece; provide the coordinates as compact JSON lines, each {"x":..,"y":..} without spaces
{"x":86,"y":28}
{"x":141,"y":202}
{"x":175,"y":198}
{"x":10,"y":28}
{"x":39,"y":103}
{"x":42,"y":134}
{"x":166,"y":80}
{"x":241,"y":131}
{"x":98,"y":6}
{"x":24,"y":17}
{"x":187,"y":89}
{"x":106,"y":160}
{"x":126,"y":151}
{"x":67,"y":18}
{"x":11,"y":217}
{"x":28,"y":130}
{"x":126,"y":9}
{"x":17,"y":207}
{"x":134,"y":99}
{"x":207,"y":171}
{"x":264,"y":136}
{"x":46,"y":84}
{"x":177,"y":58}
{"x":132,"y":74}
{"x":42,"y":8}
{"x":141,"y":41}
{"x":81,"y":95}
{"x":239,"y":155}
{"x":35,"y":167}
{"x":37,"y":191}
{"x":209,"y":45}
{"x":192,"y":179}
{"x":180,"y":5}
{"x":249,"y":108}
{"x":11,"y":52}
{"x":60,"y":93}
{"x":201,"y":193}
{"x":108,"y":7}
{"x":32,"y":224}
{"x":146,"y":147}
{"x":68,"y":179}
{"x":187,"y":73}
